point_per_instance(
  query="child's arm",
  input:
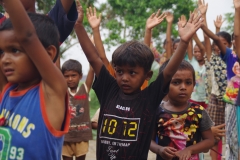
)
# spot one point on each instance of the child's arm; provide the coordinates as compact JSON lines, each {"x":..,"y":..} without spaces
{"x":87,"y":46}
{"x":185,"y":34}
{"x":169,"y":18}
{"x":203,"y":9}
{"x":237,"y":25}
{"x":164,"y":152}
{"x":3,"y":80}
{"x":89,"y":79}
{"x":152,"y":21}
{"x":94,"y":22}
{"x":67,"y":4}
{"x":206,"y":143}
{"x":199,"y":44}
{"x":218,"y":131}
{"x":218,"y":23}
{"x":53,"y":83}
{"x":216,"y":39}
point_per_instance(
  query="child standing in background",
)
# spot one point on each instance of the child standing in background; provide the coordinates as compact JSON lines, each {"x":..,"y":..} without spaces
{"x":80,"y":130}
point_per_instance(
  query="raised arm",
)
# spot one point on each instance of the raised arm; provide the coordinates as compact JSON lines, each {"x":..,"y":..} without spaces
{"x":67,"y":4}
{"x":237,"y":26}
{"x":86,"y":44}
{"x":28,"y":39}
{"x":218,"y":23}
{"x":185,"y":34}
{"x":89,"y":79}
{"x":152,"y":21}
{"x":169,"y":18}
{"x":94,"y":22}
{"x":199,"y":44}
{"x":215,"y":38}
{"x":202,"y":7}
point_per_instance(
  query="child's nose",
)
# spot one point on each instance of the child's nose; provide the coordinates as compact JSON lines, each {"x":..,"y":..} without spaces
{"x":125,"y":77}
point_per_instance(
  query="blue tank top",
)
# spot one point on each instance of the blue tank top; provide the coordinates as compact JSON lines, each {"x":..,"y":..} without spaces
{"x":25,"y":132}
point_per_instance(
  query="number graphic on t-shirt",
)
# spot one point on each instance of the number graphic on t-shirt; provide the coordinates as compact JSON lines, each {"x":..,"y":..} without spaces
{"x":132,"y":129}
{"x":16,"y":153}
{"x":119,"y":128}
{"x":114,"y":122}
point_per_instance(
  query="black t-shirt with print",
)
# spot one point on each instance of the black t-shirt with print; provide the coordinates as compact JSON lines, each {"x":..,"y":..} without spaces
{"x":126,"y":121}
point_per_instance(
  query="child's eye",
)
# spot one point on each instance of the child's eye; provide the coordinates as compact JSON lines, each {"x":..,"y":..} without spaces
{"x":119,"y":71}
{"x":189,"y":83}
{"x":175,"y":82}
{"x":132,"y":72}
{"x":14,"y":50}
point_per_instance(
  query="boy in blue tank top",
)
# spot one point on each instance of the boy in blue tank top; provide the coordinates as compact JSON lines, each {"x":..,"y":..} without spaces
{"x":34,"y":112}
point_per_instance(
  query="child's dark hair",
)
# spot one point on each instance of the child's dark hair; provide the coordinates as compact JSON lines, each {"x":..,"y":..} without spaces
{"x":45,"y":27}
{"x":176,"y":41}
{"x":165,"y":41}
{"x":185,"y":65}
{"x":72,"y":65}
{"x":133,"y":53}
{"x":226,"y":36}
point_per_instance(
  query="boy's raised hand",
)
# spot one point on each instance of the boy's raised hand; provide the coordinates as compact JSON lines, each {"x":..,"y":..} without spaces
{"x":236,"y":4}
{"x":169,"y":17}
{"x":186,"y":32}
{"x":218,"y":22}
{"x":202,"y":7}
{"x":183,"y":20}
{"x":92,"y":17}
{"x":80,"y":13}
{"x":155,"y":19}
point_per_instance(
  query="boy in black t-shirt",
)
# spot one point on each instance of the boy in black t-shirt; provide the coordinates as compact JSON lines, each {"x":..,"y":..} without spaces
{"x":126,"y":116}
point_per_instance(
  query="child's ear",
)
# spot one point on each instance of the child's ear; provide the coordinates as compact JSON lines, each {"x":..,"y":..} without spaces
{"x":52,"y":51}
{"x":149,"y":75}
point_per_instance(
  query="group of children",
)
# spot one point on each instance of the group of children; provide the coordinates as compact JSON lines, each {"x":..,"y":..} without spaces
{"x":40,"y":103}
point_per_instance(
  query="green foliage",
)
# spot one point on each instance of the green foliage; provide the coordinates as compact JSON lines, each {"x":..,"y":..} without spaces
{"x":125,"y":20}
{"x":229,"y":19}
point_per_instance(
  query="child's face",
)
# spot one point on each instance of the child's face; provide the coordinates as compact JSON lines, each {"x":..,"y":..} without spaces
{"x":15,"y":64}
{"x":197,"y":53}
{"x":130,"y":79}
{"x":181,"y":86}
{"x":223,"y":40}
{"x":175,"y":46}
{"x":216,"y":50}
{"x":72,"y":78}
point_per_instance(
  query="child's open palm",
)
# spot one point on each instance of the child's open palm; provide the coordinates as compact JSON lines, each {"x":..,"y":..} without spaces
{"x":169,"y":17}
{"x":183,"y":20}
{"x":155,"y":19}
{"x":186,"y":32}
{"x":219,"y":21}
{"x":80,"y":13}
{"x":236,"y":4}
{"x":202,"y":7}
{"x":92,"y":17}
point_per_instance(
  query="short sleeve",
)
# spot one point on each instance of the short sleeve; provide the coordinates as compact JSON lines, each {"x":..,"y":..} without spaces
{"x":156,"y":90}
{"x":65,"y":22}
{"x":104,"y":84}
{"x":206,"y":122}
{"x":96,"y":116}
{"x":226,"y":55}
